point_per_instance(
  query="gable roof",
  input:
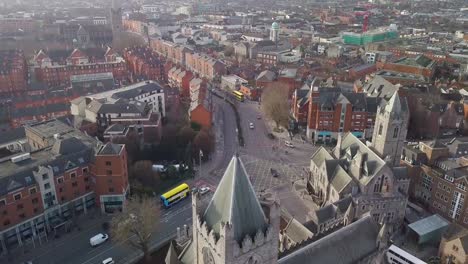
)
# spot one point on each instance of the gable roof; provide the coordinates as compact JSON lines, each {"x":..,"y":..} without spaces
{"x":347,"y":245}
{"x":235,"y":202}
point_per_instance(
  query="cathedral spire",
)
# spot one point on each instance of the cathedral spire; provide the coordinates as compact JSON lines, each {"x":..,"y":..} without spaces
{"x":235,"y":202}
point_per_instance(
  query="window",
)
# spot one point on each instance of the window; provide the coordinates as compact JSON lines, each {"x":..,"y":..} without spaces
{"x":455,"y":248}
{"x":85,"y":170}
{"x":380,"y":129}
{"x":35,"y":201}
{"x":395,"y":132}
{"x":111,"y":190}
{"x":6,"y":222}
{"x":109,"y":172}
{"x":17,"y":196}
{"x":60,"y":180}
{"x":86,"y":179}
{"x":74,"y":184}
{"x":45,"y":176}
{"x":22,"y":215}
{"x":60,"y":189}
{"x":73,"y":175}
{"x":47,"y":186}
{"x":63,"y":198}
{"x":32,"y":190}
{"x":87,"y":187}
{"x":36,"y":210}
{"x":19,"y":206}
{"x":108,"y":163}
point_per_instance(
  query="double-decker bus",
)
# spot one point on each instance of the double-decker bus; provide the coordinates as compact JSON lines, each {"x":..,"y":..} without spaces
{"x":175,"y":195}
{"x":396,"y":255}
{"x":238,"y":95}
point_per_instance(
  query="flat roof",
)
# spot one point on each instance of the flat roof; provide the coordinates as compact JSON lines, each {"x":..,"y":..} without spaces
{"x":428,"y":225}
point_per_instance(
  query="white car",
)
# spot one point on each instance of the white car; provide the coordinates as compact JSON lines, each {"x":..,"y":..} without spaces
{"x":251,"y":125}
{"x":204,"y":190}
{"x":288,"y":144}
{"x":108,"y":261}
{"x":98,"y":239}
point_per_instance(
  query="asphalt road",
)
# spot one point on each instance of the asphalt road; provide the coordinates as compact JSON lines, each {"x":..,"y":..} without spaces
{"x":75,"y":248}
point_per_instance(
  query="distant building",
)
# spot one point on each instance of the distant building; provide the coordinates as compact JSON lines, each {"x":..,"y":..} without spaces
{"x":55,"y":68}
{"x":453,"y":247}
{"x":116,"y":18}
{"x":274,"y":32}
{"x":377,"y":35}
{"x":13,"y":72}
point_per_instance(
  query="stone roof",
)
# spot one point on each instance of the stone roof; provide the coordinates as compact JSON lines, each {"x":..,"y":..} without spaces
{"x":329,"y":212}
{"x":235,"y":202}
{"x":347,"y":245}
{"x":171,"y":257}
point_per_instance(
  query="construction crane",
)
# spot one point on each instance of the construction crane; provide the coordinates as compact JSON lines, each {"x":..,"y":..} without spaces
{"x":365,"y":23}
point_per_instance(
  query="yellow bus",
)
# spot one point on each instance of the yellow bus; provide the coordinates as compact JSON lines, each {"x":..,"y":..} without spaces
{"x":238,"y":95}
{"x":175,"y":195}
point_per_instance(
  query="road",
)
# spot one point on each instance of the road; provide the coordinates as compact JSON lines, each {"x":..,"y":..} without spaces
{"x":258,"y":157}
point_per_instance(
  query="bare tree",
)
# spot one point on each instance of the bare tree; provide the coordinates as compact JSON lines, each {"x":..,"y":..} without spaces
{"x":204,"y":141}
{"x":275,"y":104}
{"x":137,"y":224}
{"x":142,"y":171}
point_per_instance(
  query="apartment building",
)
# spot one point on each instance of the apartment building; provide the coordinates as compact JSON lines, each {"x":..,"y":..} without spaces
{"x":65,"y":174}
{"x":439,"y":175}
{"x":144,"y":63}
{"x":55,"y":68}
{"x":135,"y":108}
{"x":332,"y":111}
{"x":13,"y":71}
{"x":201,"y":64}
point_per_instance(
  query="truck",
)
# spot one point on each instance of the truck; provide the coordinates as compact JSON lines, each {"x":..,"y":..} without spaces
{"x":98,"y":239}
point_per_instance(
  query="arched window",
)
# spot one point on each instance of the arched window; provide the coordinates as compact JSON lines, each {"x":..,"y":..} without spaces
{"x":380,"y":129}
{"x":395,"y":132}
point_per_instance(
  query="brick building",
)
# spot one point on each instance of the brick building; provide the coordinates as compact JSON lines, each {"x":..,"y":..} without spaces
{"x":408,"y":70}
{"x":439,"y":175}
{"x":55,"y":68}
{"x":66,"y":173}
{"x":13,"y":71}
{"x":201,"y":109}
{"x":144,"y":64}
{"x":332,"y":111}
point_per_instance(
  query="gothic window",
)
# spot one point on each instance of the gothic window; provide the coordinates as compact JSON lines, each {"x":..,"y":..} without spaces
{"x":380,"y":129}
{"x":395,"y":132}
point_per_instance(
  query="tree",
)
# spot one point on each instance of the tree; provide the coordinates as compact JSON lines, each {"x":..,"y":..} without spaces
{"x":203,"y":141}
{"x":275,"y":104}
{"x":136,"y":224}
{"x":142,"y":171}
{"x":185,"y":135}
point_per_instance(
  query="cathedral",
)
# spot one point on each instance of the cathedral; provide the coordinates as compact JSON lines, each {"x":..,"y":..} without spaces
{"x":236,"y":227}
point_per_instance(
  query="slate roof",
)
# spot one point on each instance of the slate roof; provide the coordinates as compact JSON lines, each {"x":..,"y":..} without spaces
{"x":235,"y":202}
{"x":110,"y":149}
{"x":12,"y":135}
{"x":132,"y":93}
{"x":347,"y":245}
{"x":379,"y":87}
{"x":329,"y":212}
{"x":67,"y":146}
{"x":329,"y":97}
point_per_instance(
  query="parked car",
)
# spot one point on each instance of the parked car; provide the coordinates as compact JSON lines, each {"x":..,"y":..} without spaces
{"x":288,"y":144}
{"x":98,"y":239}
{"x":204,"y":190}
{"x":108,"y":261}
{"x":274,"y":172}
{"x":251,"y":125}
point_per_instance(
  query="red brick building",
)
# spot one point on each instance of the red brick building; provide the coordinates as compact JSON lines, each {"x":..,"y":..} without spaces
{"x":332,"y":111}
{"x":66,"y":173}
{"x":55,"y":68}
{"x":13,"y":72}
{"x":144,"y":64}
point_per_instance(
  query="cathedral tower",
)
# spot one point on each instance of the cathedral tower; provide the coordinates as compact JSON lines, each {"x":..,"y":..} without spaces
{"x":391,"y":126}
{"x":233,"y":229}
{"x":116,"y":18}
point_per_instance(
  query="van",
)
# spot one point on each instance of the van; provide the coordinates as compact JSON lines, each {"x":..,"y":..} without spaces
{"x":98,"y":239}
{"x":108,"y":261}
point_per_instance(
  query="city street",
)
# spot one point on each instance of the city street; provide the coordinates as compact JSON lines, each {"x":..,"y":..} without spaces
{"x":74,"y":248}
